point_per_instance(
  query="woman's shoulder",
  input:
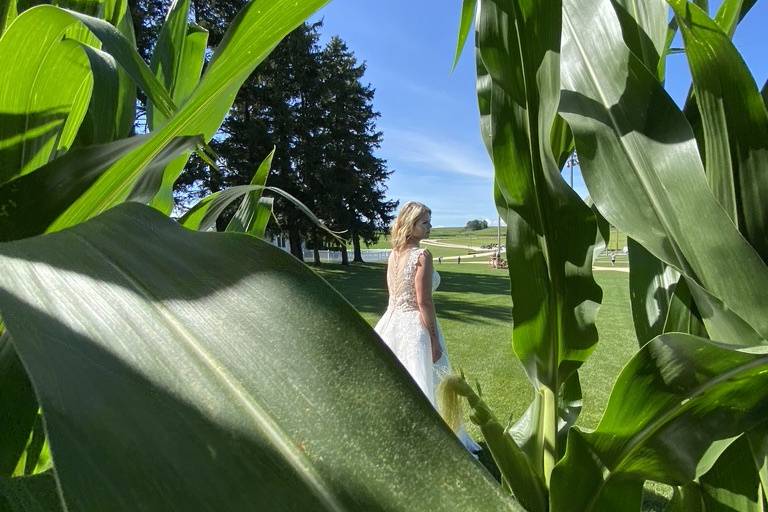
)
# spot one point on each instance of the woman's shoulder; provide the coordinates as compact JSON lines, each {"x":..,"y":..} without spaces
{"x":425,"y":256}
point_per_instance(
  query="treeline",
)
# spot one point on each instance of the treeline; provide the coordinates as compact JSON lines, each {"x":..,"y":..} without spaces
{"x":310,"y":103}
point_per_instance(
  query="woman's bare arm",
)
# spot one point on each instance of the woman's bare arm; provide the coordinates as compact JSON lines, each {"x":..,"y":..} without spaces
{"x":424,"y":300}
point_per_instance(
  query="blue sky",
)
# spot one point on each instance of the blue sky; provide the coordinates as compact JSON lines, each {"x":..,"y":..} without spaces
{"x":429,"y":115}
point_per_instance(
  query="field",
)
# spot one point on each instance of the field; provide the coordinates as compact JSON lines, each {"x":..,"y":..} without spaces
{"x":488,"y":236}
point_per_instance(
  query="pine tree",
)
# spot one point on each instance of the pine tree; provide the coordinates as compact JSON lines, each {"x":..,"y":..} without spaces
{"x":311,"y":105}
{"x":355,"y":176}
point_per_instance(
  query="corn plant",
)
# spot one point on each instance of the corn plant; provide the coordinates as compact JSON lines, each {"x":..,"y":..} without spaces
{"x":689,"y":188}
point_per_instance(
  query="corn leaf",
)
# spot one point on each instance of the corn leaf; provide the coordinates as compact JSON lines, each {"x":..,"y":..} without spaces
{"x":170,"y":385}
{"x":204,"y":214}
{"x":644,"y":28}
{"x":45,"y":95}
{"x":8,"y":12}
{"x":252,"y":35}
{"x":733,"y":482}
{"x":187,"y":76}
{"x":102,"y":122}
{"x":251,"y":208}
{"x":30,"y":494}
{"x":651,"y":286}
{"x":764,"y":93}
{"x":178,"y":58}
{"x":468,"y":8}
{"x":34,"y":202}
{"x":18,"y":407}
{"x":682,"y":313}
{"x":731,"y":12}
{"x":734,"y":121}
{"x":642,"y":168}
{"x":514,"y":464}
{"x":674,"y":409}
{"x":112,"y":111}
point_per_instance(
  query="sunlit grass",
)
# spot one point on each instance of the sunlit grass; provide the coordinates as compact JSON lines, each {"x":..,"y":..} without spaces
{"x":474,"y":309}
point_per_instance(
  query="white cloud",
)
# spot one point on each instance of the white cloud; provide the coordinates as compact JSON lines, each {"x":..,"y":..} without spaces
{"x":435,"y":154}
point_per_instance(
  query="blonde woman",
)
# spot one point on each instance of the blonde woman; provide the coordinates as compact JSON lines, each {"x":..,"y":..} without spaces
{"x":409,"y":326}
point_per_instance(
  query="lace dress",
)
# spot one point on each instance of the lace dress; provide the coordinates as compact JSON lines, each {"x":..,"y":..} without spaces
{"x":402,"y":331}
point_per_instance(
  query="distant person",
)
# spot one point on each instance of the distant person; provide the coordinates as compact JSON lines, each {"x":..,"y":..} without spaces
{"x":458,"y":260}
{"x":409,"y":326}
{"x":439,"y":259}
{"x":613,"y":259}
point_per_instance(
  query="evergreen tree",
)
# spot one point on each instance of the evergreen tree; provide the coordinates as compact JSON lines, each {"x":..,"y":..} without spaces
{"x":355,"y":176}
{"x":311,"y":105}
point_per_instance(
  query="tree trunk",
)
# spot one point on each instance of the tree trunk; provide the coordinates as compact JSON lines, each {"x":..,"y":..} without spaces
{"x":344,"y":254}
{"x":316,"y":247}
{"x":358,"y":258}
{"x":294,"y":237}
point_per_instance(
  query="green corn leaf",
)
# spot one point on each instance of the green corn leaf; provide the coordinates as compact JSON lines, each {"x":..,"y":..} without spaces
{"x":686,"y":498}
{"x":674,"y":408}
{"x":758,"y":445}
{"x":731,"y":12}
{"x":682,"y":313}
{"x":645,"y":28}
{"x":641,"y":164}
{"x":721,"y":322}
{"x":190,"y":64}
{"x":661,"y":71}
{"x":258,"y":28}
{"x":102,"y":123}
{"x":204,"y":214}
{"x":8,"y":12}
{"x":734,"y":121}
{"x":168,"y":362}
{"x":514,"y":465}
{"x":112,"y":111}
{"x":30,"y":494}
{"x":178,"y":58}
{"x":64,"y":180}
{"x":550,"y":231}
{"x":45,"y":95}
{"x":651,"y":286}
{"x":468,"y":8}
{"x":18,"y":407}
{"x":252,"y":209}
{"x":265,"y":210}
{"x":562,"y":141}
{"x":764,"y":93}
{"x":733,"y":482}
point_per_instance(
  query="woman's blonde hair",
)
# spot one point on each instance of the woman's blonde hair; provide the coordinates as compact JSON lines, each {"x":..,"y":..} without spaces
{"x":402,"y":229}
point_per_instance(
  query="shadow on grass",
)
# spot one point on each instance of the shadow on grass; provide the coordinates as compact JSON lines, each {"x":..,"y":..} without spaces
{"x":365,"y":286}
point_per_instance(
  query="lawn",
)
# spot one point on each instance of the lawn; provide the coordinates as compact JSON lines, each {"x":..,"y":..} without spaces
{"x":474,"y":309}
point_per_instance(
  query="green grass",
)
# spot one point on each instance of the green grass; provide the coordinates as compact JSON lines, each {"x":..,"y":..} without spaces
{"x":486,"y":237}
{"x":474,"y":310}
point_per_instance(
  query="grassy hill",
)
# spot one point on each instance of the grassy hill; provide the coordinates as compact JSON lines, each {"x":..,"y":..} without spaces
{"x":488,"y":236}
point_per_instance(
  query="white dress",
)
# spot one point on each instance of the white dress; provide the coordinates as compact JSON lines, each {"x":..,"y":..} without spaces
{"x":402,"y":331}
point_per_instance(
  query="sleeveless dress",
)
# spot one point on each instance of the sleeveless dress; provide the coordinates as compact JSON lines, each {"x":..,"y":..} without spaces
{"x":402,"y":331}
